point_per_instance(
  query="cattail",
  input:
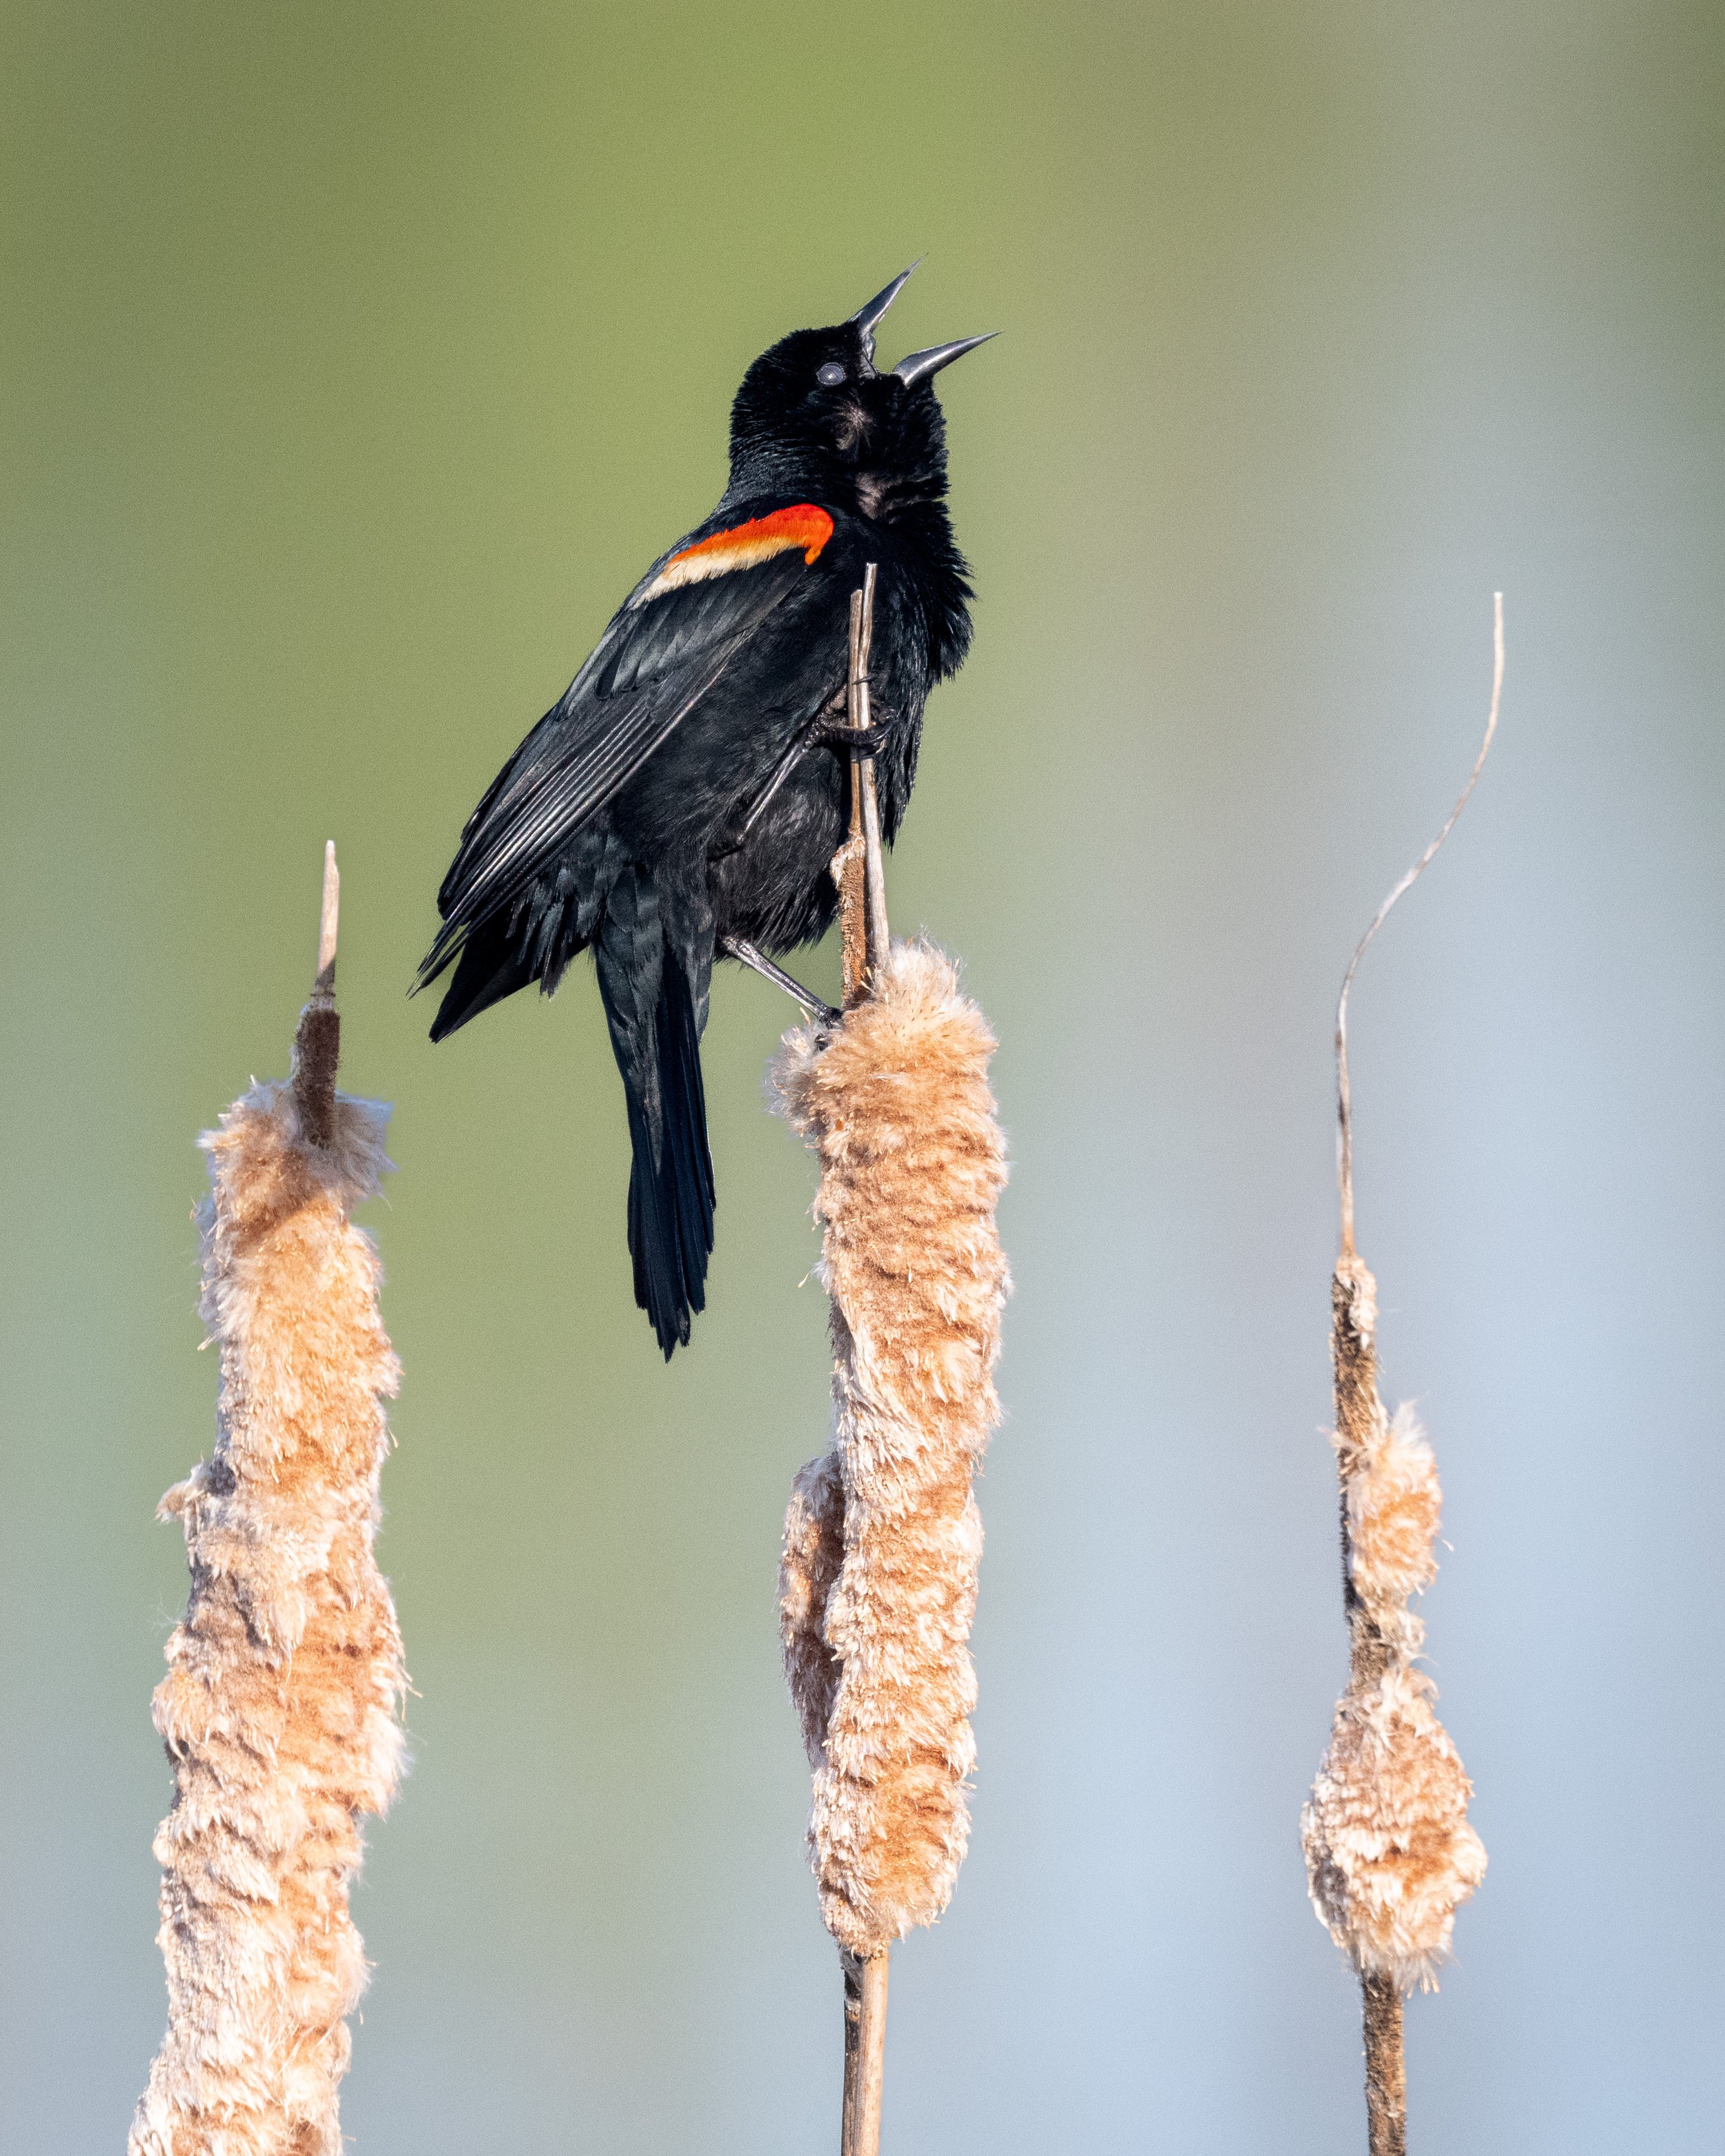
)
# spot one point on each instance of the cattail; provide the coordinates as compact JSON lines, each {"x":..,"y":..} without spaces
{"x":1389,"y":1853}
{"x":882,"y":1541}
{"x":281,"y":1708}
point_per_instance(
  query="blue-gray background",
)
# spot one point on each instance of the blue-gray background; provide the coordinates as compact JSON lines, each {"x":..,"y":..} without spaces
{"x":356,"y":359}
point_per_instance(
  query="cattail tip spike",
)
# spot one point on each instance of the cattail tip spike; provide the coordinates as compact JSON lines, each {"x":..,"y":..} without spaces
{"x":328,"y":919}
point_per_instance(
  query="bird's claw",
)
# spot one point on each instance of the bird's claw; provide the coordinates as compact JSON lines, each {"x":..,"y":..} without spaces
{"x":851,"y":740}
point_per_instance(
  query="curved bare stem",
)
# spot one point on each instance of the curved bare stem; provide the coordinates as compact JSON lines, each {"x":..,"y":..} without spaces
{"x":1344,"y":1098}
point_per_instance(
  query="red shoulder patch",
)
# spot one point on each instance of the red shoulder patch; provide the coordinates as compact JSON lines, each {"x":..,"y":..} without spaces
{"x":743,"y":546}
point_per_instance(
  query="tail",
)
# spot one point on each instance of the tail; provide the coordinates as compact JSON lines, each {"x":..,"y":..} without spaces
{"x":654,"y":998}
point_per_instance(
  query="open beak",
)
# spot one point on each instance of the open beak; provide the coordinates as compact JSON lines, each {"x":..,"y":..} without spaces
{"x":922,"y":364}
{"x":867,"y":317}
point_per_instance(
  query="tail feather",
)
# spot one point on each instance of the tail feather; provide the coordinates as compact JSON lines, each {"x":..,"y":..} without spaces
{"x":651,"y":1004}
{"x":685,"y":1124}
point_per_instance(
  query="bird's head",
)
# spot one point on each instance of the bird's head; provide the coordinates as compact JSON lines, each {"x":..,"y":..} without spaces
{"x":815,"y":415}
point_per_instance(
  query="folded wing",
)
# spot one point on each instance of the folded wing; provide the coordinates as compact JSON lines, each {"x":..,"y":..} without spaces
{"x":666,"y":648}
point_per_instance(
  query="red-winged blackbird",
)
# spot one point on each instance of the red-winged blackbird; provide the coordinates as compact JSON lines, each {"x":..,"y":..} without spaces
{"x":684,"y":796}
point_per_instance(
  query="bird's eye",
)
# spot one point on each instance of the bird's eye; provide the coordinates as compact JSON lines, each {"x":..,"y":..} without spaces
{"x":829,"y":376}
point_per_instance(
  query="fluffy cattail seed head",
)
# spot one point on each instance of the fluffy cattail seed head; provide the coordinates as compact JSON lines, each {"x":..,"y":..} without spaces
{"x":279,"y":1709}
{"x":883,"y":1539}
{"x":1389,"y":1853}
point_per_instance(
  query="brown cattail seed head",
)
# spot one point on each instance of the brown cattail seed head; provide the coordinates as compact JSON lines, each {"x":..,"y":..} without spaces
{"x":279,"y":1709}
{"x":1394,"y":1508}
{"x":809,"y":1568}
{"x":1389,"y":1853}
{"x":883,"y":1539}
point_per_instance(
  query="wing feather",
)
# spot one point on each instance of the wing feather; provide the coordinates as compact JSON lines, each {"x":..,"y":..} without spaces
{"x":661,"y":654}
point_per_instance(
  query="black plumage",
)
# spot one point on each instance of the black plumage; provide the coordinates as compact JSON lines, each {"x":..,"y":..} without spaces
{"x":689,"y":786}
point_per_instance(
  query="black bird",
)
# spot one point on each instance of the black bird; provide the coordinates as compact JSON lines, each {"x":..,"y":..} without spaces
{"x":683,"y":797}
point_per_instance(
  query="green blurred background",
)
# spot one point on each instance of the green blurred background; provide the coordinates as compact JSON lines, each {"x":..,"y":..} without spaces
{"x":357,"y":357}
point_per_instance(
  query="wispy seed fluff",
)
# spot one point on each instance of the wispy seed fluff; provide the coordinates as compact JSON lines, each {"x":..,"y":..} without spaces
{"x":883,"y":1539}
{"x":1389,"y":1855}
{"x":280,"y":1706}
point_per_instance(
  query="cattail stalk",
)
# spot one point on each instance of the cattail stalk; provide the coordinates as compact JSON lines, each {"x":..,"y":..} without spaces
{"x":1389,"y":1853}
{"x":858,"y":868}
{"x":862,"y":614}
{"x":882,"y":1540}
{"x":281,"y":1709}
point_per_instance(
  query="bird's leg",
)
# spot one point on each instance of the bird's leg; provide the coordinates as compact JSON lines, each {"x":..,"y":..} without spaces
{"x":781,"y":770}
{"x":746,"y":954}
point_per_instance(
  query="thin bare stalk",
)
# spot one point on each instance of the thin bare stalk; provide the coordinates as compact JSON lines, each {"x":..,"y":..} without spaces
{"x":863,"y":767}
{"x":1344,"y":1098}
{"x":848,"y":871}
{"x":862,"y":2117}
{"x":858,"y":868}
{"x":329,"y":921}
{"x":1386,"y":2071}
{"x":852,"y":2051}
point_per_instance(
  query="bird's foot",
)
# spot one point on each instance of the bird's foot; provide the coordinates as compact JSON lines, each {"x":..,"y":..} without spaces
{"x":746,"y":954}
{"x":851,"y":741}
